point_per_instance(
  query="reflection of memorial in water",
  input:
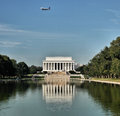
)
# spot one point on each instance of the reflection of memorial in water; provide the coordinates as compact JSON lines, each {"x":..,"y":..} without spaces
{"x":58,"y":92}
{"x":58,"y":96}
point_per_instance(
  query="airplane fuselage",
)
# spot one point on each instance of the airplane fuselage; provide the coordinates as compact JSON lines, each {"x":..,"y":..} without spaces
{"x":42,"y":8}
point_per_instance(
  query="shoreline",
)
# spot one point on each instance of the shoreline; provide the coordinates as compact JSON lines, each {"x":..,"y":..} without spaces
{"x":23,"y":79}
{"x":102,"y":81}
{"x":98,"y":81}
{"x":78,"y":79}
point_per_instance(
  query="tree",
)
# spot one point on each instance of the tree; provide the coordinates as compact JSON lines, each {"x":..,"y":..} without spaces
{"x":115,"y":48}
{"x":33,"y":69}
{"x":106,"y":63}
{"x":6,"y":67}
{"x":115,"y":68}
{"x":22,"y":69}
{"x":14,"y":63}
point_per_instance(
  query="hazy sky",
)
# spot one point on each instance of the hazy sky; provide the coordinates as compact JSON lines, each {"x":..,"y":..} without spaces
{"x":77,"y":28}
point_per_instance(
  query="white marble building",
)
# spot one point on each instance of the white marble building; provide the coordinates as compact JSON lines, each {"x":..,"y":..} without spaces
{"x":55,"y":64}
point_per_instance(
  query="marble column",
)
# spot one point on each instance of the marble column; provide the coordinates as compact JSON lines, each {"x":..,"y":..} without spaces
{"x":48,"y":66}
{"x":65,"y":66}
{"x":60,"y":66}
{"x":51,"y":66}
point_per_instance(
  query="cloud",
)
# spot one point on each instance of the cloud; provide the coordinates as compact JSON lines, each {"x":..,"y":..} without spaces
{"x":107,"y":30}
{"x":9,"y":44}
{"x":9,"y":30}
{"x":116,"y":13}
{"x":116,"y":16}
{"x":116,"y":21}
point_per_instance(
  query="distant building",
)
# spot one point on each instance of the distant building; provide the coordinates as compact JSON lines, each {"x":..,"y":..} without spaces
{"x":55,"y":64}
{"x":78,"y":65}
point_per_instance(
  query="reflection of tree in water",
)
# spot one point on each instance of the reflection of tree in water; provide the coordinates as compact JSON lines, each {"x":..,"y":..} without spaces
{"x":11,"y":89}
{"x":106,"y":94}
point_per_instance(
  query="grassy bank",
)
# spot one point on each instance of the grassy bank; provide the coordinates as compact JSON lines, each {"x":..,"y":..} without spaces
{"x":107,"y":79}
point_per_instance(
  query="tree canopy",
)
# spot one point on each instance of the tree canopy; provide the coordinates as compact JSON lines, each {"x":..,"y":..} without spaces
{"x":34,"y":69}
{"x":106,"y":63}
{"x":9,"y":67}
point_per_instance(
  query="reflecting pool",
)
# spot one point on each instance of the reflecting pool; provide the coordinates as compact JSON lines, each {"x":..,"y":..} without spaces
{"x":37,"y":98}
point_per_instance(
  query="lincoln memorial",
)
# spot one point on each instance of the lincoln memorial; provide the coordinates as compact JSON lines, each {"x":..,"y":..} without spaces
{"x":54,"y":64}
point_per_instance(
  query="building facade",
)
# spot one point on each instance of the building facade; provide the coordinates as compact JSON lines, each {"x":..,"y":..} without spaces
{"x":55,"y":64}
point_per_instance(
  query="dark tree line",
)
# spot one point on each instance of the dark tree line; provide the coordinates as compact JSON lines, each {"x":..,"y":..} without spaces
{"x":35,"y":69}
{"x":106,"y":63}
{"x":9,"y":67}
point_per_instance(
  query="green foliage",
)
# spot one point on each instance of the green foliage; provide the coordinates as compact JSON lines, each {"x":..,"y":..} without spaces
{"x":22,"y":69}
{"x":9,"y":67}
{"x":115,"y":48}
{"x":34,"y":69}
{"x":6,"y":66}
{"x":115,"y":68}
{"x":106,"y":63}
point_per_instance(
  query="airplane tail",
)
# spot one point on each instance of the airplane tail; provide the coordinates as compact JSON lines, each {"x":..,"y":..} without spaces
{"x":49,"y":8}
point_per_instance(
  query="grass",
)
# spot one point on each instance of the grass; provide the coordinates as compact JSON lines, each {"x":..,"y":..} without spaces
{"x":29,"y":75}
{"x":107,"y":79}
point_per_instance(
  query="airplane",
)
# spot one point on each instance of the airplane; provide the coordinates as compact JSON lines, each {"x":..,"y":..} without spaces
{"x":42,"y":8}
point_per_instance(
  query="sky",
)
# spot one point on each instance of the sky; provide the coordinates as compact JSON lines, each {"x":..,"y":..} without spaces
{"x":76,"y":28}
